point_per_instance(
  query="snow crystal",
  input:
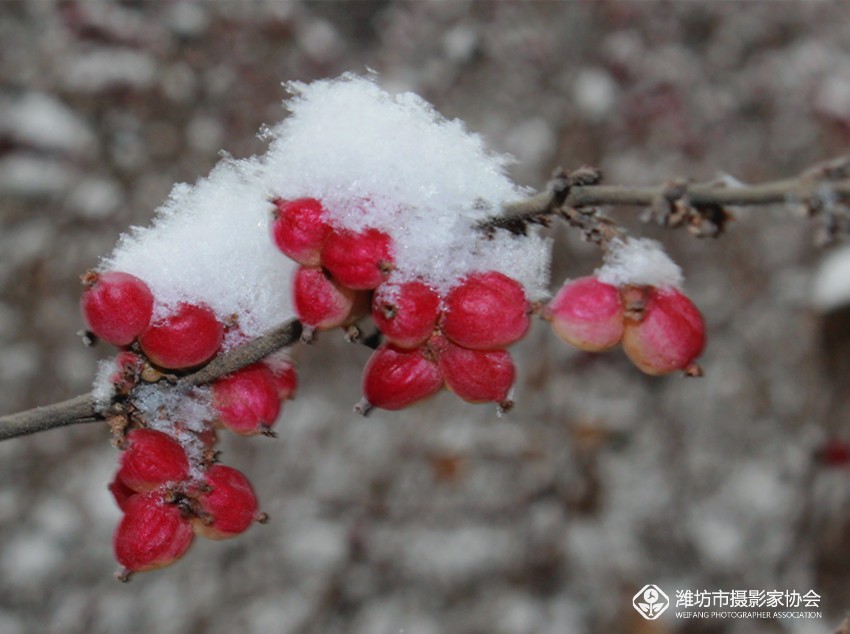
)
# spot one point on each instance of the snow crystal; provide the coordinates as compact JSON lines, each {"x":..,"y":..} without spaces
{"x":831,"y":284}
{"x":103,"y":389}
{"x":373,"y":159}
{"x":641,"y":262}
{"x":181,"y":415}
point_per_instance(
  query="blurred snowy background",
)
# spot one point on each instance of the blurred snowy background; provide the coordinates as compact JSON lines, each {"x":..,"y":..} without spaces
{"x":444,"y":518}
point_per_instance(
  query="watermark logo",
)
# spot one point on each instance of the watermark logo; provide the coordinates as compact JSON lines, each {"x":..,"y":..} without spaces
{"x":650,"y":602}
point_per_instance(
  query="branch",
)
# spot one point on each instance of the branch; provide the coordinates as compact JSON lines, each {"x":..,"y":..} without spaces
{"x":822,"y":190}
{"x":81,"y":409}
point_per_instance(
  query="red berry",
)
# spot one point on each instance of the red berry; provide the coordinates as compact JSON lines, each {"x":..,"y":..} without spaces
{"x":189,"y":336}
{"x":121,"y":492}
{"x":478,"y":376}
{"x":152,"y":533}
{"x":667,"y":333}
{"x":395,"y":378}
{"x":286,"y":381}
{"x":319,"y":302}
{"x":588,"y":314}
{"x":229,"y":506}
{"x":152,"y":458}
{"x":247,"y":401}
{"x":300,"y":229}
{"x":358,"y":260}
{"x":116,"y":306}
{"x":406,"y":314}
{"x":486,"y":311}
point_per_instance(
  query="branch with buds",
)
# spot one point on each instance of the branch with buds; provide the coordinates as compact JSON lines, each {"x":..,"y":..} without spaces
{"x":821,"y":192}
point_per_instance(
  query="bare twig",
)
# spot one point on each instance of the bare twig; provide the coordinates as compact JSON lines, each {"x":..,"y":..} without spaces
{"x":81,"y":409}
{"x":821,"y":190}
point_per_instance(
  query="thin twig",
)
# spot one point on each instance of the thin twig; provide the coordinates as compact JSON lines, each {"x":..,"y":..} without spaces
{"x":819,"y":187}
{"x":81,"y":409}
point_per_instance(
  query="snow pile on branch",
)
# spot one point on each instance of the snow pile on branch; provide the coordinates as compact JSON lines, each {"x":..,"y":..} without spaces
{"x":641,"y":262}
{"x":373,"y":159}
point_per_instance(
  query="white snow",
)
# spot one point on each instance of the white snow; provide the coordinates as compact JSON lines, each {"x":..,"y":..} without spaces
{"x":103,"y":388}
{"x":392,"y":162}
{"x":641,"y":262}
{"x":179,"y":414}
{"x":373,"y":159}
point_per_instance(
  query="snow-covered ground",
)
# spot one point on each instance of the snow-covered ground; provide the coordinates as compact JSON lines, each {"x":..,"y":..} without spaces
{"x":445,"y":517}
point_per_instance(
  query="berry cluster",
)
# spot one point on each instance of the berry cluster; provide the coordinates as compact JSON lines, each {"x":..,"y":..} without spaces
{"x":660,"y":328}
{"x":430,"y":339}
{"x":169,"y":484}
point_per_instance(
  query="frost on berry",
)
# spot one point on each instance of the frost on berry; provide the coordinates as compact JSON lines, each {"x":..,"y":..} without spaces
{"x":227,"y":503}
{"x":151,"y":535}
{"x":189,"y":336}
{"x":320,"y":303}
{"x":588,"y":314}
{"x":395,"y":378}
{"x":406,"y":314}
{"x":151,"y":458}
{"x":358,"y":260}
{"x":116,"y":306}
{"x":247,"y":401}
{"x":478,"y":376}
{"x":486,"y":311}
{"x":300,"y":229}
{"x":664,"y":331}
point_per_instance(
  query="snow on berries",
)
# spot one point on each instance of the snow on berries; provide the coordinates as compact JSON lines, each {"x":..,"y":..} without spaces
{"x":364,"y":214}
{"x":633,"y":299}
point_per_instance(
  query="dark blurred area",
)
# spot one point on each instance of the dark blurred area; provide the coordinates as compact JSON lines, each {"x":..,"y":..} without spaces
{"x":446,"y":517}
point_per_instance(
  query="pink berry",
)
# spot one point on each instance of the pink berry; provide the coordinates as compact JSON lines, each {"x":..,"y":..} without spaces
{"x":121,"y":492}
{"x":152,"y":458}
{"x":406,"y":314}
{"x":247,"y":401}
{"x":486,"y":311}
{"x":116,"y":306}
{"x":478,"y":376}
{"x":666,"y":333}
{"x":286,"y":381}
{"x":188,"y":337}
{"x":152,"y":533}
{"x":320,"y":303}
{"x":395,"y":378}
{"x":588,"y":314}
{"x":229,"y":506}
{"x":300,"y":229}
{"x":358,"y":260}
